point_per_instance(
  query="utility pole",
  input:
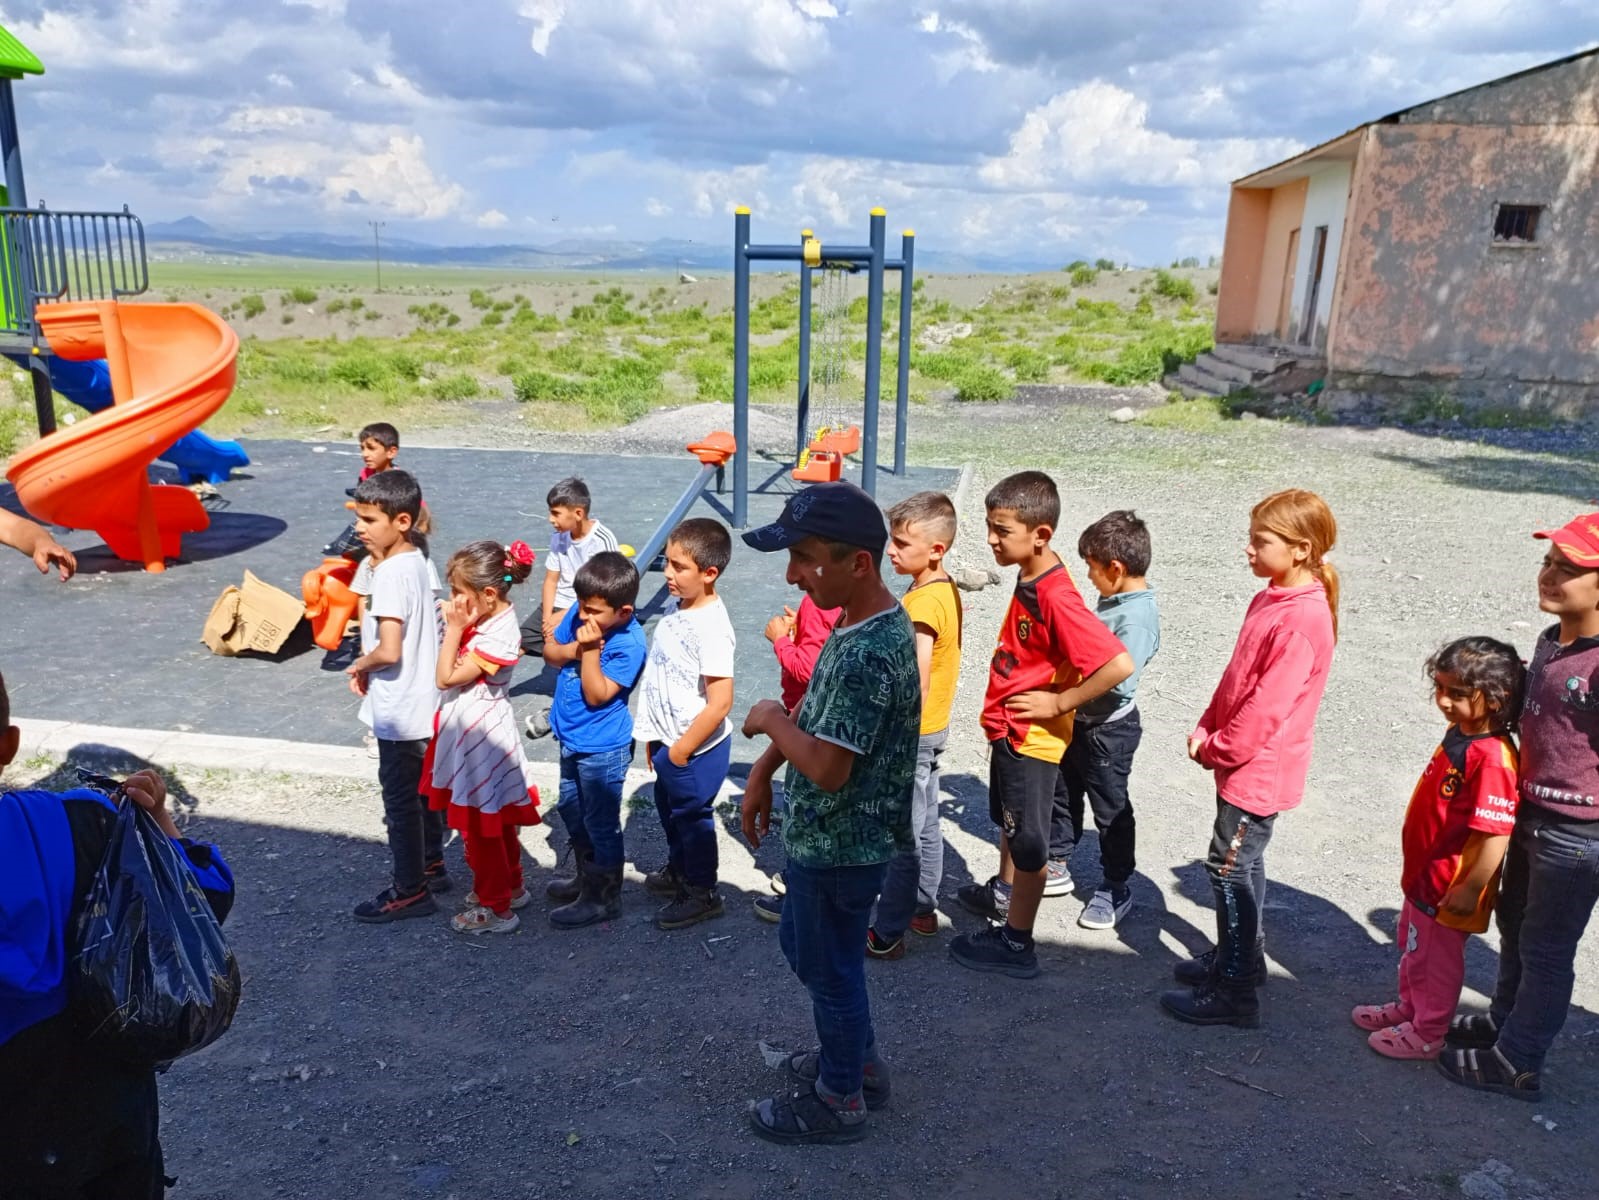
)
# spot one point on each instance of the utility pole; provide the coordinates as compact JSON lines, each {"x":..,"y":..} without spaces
{"x":377,"y":250}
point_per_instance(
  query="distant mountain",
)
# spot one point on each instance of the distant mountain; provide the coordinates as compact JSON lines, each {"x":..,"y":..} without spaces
{"x":190,"y":236}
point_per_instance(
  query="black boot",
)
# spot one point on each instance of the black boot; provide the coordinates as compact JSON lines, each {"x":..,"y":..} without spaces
{"x":693,"y":905}
{"x":664,"y":882}
{"x":1199,"y":970}
{"x":566,"y":890}
{"x":1215,"y":1002}
{"x":599,"y":898}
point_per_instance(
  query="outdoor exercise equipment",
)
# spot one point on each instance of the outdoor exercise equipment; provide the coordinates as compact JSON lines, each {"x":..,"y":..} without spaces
{"x":168,"y":367}
{"x":712,"y":452}
{"x":330,"y":605}
{"x":825,"y":432}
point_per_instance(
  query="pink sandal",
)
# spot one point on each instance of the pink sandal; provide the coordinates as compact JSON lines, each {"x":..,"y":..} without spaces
{"x":1402,"y":1041}
{"x":1372,"y":1017}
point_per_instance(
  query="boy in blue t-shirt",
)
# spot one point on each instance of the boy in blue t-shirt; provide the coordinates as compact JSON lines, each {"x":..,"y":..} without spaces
{"x":600,"y":651}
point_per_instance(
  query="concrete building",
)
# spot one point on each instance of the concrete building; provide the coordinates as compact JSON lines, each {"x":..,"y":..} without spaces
{"x":1452,"y":246}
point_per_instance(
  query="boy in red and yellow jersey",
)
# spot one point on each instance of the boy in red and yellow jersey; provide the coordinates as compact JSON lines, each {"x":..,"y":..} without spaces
{"x":1053,"y":655}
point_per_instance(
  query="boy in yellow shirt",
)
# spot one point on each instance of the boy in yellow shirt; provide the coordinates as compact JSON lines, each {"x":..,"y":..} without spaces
{"x":922,"y":528}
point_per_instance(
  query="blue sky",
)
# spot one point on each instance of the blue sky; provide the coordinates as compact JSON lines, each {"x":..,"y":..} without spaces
{"x":1051,"y":128}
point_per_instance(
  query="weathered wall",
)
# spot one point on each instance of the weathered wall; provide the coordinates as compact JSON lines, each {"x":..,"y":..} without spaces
{"x":1563,"y":95}
{"x":1425,"y":293}
{"x":1326,"y":199}
{"x":1285,"y":215}
{"x":1240,"y":264}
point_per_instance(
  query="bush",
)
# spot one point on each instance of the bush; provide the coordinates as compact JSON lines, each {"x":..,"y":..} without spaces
{"x":530,"y":385}
{"x":478,"y":298}
{"x":431,"y":314}
{"x":334,"y":306}
{"x":357,"y":304}
{"x":1083,"y":275}
{"x":944,"y":365}
{"x":490,"y":319}
{"x":1105,"y":264}
{"x":1028,"y":365}
{"x":288,"y":318}
{"x":251,"y":305}
{"x":526,"y":320}
{"x":456,"y":387}
{"x":983,"y":384}
{"x":1174,"y":287}
{"x":298,"y":295}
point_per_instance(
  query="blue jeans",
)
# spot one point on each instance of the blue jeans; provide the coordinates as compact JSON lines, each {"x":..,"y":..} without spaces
{"x":685,"y":799}
{"x":590,"y":805}
{"x":826,"y":912}
{"x":1546,"y":895}
{"x":1237,"y":869}
{"x":911,"y":883}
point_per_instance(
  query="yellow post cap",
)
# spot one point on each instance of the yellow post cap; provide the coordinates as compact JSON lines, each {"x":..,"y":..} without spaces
{"x":879,"y":212}
{"x":741,"y":211}
{"x":805,"y":233}
{"x":910,"y":233}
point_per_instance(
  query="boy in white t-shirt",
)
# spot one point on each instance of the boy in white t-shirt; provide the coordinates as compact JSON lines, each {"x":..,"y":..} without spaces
{"x":396,"y":675}
{"x":686,"y":694}
{"x":577,"y":537}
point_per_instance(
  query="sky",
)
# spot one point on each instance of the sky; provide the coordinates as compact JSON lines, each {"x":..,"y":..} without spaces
{"x":1042,"y":128}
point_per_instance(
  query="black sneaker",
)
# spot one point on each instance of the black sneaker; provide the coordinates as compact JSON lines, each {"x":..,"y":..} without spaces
{"x":1471,"y":1031}
{"x":436,"y":877}
{"x":1209,"y":1004}
{"x":991,"y":899}
{"x":1488,"y":1070}
{"x":388,"y":905}
{"x":769,"y":908}
{"x":1199,"y":970}
{"x":806,"y":1067}
{"x":987,"y":950}
{"x":693,"y":905}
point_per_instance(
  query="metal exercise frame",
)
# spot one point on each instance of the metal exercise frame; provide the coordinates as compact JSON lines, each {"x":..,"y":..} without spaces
{"x":870,"y":256}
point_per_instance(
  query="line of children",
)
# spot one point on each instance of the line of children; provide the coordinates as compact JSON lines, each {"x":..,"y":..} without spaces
{"x":921,"y":531}
{"x":1106,"y":731}
{"x":475,"y":769}
{"x":684,"y":702}
{"x":1456,"y":829}
{"x":576,"y":537}
{"x":600,"y":651}
{"x":1053,"y":655}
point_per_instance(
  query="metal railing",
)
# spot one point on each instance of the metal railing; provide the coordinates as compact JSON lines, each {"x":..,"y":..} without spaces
{"x":51,"y":257}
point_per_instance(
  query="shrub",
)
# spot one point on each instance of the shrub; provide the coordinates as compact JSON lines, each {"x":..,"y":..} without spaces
{"x":459,"y":386}
{"x":1082,"y":274}
{"x":1174,"y":287}
{"x":364,"y":369}
{"x":429,"y":315}
{"x":490,"y":319}
{"x":944,"y":365}
{"x":356,"y":304}
{"x":983,"y":384}
{"x":478,"y":298}
{"x":1028,"y":365}
{"x":334,"y":306}
{"x":299,"y":295}
{"x":1105,"y":264}
{"x":372,"y":314}
{"x":288,"y":318}
{"x":530,"y":385}
{"x":527,"y":320}
{"x":251,"y":305}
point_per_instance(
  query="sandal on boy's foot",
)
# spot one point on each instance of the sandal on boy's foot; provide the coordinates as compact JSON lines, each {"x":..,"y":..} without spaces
{"x":389,"y":905}
{"x":484,"y":920}
{"x":1471,"y":1031}
{"x":925,"y":924}
{"x":1372,"y":1017}
{"x":987,"y":950}
{"x":1488,"y":1070}
{"x":521,"y":900}
{"x":991,"y":899}
{"x":769,"y":908}
{"x":436,"y":877}
{"x":805,"y":1067}
{"x":800,"y":1116}
{"x":881,"y":947}
{"x":1402,"y":1041}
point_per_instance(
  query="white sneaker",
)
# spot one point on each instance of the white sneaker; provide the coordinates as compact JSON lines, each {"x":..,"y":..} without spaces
{"x":1058,"y":878}
{"x":538,"y":725}
{"x":369,"y":742}
{"x":483,"y":920}
{"x":1102,"y":911}
{"x":521,"y":900}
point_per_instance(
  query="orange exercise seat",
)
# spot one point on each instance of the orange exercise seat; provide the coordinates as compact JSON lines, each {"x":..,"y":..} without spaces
{"x":330,"y":605}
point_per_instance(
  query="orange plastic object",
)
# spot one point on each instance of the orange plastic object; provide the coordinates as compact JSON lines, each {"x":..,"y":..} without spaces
{"x":172,"y":366}
{"x":840,"y":441}
{"x":714,"y":449}
{"x":329,"y":603}
{"x":820,"y":466}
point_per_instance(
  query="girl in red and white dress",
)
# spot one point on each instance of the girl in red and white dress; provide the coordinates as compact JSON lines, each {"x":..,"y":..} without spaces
{"x":476,"y":771}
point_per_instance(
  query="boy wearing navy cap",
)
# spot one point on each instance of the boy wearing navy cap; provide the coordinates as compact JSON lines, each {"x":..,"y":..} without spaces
{"x":851,"y":755}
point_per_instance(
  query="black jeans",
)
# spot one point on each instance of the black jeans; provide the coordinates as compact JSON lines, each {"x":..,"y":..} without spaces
{"x":416,"y":832}
{"x":1546,"y":896}
{"x":1237,"y":869}
{"x":1096,"y":766}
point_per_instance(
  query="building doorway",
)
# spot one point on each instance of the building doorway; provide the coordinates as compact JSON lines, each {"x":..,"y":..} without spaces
{"x":1318,"y":258}
{"x":1285,"y":297}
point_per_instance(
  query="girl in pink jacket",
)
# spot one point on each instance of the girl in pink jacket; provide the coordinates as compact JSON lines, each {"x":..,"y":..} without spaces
{"x":1256,"y":738}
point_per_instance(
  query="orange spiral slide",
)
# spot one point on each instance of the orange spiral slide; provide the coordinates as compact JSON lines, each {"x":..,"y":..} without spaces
{"x":172,"y":366}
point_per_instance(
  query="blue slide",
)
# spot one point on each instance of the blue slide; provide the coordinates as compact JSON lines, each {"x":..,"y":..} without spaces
{"x":196,"y":456}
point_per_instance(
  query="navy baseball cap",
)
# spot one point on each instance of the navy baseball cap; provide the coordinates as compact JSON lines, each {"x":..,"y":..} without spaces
{"x":834,"y":512}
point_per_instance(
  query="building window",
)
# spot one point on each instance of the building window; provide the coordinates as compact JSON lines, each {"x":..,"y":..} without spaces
{"x":1517,"y":224}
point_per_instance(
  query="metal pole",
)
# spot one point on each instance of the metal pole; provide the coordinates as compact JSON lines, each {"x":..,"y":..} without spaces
{"x":10,"y":145}
{"x":803,"y":421}
{"x":902,"y":387}
{"x":377,"y":251}
{"x":741,"y":366}
{"x":874,"y":354}
{"x":44,"y":401}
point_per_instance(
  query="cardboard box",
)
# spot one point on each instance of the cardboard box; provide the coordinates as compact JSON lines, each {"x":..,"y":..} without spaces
{"x":255,"y":617}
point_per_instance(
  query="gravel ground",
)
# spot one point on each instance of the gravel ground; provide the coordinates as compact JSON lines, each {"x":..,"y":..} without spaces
{"x":404,"y":1062}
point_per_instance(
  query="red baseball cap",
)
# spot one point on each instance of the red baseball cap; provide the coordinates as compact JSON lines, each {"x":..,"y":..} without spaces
{"x":1577,"y":539}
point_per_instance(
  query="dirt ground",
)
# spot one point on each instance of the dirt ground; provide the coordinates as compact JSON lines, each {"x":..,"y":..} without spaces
{"x":405,"y":1062}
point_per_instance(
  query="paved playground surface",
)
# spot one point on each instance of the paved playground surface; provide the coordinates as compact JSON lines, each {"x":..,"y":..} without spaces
{"x":137,"y":635}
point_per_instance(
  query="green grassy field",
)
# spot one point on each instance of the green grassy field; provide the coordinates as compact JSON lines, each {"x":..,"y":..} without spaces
{"x":267,"y":273}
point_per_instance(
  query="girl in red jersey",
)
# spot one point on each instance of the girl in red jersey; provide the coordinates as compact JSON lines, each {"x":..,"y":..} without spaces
{"x":1456,"y":831}
{"x":1256,"y":736}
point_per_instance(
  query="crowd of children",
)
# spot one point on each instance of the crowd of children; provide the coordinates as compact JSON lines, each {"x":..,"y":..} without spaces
{"x":867,"y":683}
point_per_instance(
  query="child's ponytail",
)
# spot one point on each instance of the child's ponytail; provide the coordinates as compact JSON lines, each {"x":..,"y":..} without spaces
{"x":487,"y":564}
{"x":1296,"y":515}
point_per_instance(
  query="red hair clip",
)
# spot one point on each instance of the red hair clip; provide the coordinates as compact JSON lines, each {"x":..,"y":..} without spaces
{"x":518,"y":552}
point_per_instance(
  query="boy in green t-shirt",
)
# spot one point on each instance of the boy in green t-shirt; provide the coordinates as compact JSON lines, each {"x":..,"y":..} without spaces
{"x":851,"y":754}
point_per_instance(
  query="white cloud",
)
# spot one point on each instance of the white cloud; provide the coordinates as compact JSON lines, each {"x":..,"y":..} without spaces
{"x":657,"y":208}
{"x":1098,"y":132}
{"x":546,"y":16}
{"x":492,"y":219}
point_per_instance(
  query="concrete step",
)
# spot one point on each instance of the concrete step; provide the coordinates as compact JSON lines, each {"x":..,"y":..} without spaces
{"x":1258,"y":359}
{"x":1222,"y":369}
{"x":1199,"y":379}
